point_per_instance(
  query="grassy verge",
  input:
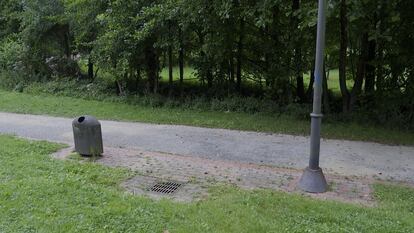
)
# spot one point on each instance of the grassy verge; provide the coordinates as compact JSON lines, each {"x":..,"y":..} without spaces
{"x":71,"y":107}
{"x":40,"y":194}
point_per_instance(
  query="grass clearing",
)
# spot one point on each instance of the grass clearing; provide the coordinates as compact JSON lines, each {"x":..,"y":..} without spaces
{"x":40,"y":194}
{"x":190,"y":76}
{"x":333,"y":81}
{"x":72,"y":107}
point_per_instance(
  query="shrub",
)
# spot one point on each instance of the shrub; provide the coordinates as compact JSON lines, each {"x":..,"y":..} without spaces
{"x":12,"y":71}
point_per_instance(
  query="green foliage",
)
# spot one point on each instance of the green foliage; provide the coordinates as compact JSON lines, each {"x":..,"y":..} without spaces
{"x":12,"y":64}
{"x":73,"y":88}
{"x":260,"y":49}
{"x":40,"y":194}
{"x":99,"y":91}
{"x":9,"y":17}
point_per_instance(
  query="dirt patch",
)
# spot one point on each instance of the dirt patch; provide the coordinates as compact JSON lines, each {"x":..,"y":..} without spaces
{"x":197,"y":174}
{"x":64,"y":153}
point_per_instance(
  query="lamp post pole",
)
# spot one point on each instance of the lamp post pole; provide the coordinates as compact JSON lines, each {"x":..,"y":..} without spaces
{"x":313,"y":180}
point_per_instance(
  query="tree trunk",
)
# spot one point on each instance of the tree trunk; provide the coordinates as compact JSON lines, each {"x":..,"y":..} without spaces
{"x":240,"y":56}
{"x":309,"y":92}
{"x":181,"y":58}
{"x":152,"y":67}
{"x":370,"y":69}
{"x":266,"y":62}
{"x":342,"y":57}
{"x":90,"y":69}
{"x":119,"y":87}
{"x":170,"y":69}
{"x":170,"y":61}
{"x":325,"y":92}
{"x":300,"y":88}
{"x":96,"y":73}
{"x":209,"y":78}
{"x":361,"y":70}
{"x":380,"y":47}
{"x":207,"y":73}
{"x":137,"y":79}
{"x":67,"y":43}
{"x":231,"y":69}
{"x":267,"y":69}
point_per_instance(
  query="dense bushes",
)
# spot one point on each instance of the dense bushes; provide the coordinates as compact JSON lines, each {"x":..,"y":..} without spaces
{"x":248,"y":56}
{"x":12,"y":69}
{"x":101,"y":90}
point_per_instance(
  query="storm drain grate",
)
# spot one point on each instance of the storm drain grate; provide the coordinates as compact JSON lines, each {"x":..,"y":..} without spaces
{"x":166,"y":187}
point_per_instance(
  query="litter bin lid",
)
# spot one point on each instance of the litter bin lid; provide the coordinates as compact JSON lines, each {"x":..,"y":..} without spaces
{"x":86,"y":121}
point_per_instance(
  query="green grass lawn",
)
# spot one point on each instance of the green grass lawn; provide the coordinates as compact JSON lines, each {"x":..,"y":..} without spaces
{"x":72,"y":107}
{"x":40,"y":194}
{"x":333,"y":81}
{"x":189,"y":76}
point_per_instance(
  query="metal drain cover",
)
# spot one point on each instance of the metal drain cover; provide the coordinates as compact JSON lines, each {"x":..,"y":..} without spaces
{"x":166,"y":187}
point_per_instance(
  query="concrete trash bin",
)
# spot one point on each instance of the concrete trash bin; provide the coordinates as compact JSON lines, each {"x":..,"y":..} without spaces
{"x":87,"y":135}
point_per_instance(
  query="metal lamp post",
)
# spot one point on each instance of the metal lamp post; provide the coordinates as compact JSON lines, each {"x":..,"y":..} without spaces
{"x":313,"y":180}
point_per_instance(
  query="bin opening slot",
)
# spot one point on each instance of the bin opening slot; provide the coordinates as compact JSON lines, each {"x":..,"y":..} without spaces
{"x":81,"y":119}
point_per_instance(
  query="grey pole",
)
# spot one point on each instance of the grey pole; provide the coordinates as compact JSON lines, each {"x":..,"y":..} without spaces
{"x":313,"y":180}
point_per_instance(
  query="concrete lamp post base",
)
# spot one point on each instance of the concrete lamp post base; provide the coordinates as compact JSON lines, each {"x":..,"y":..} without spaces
{"x":313,"y":181}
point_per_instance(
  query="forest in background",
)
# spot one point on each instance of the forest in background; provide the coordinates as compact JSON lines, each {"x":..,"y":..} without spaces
{"x":261,"y":51}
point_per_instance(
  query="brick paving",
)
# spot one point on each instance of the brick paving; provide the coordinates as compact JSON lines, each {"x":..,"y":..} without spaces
{"x":199,"y":173}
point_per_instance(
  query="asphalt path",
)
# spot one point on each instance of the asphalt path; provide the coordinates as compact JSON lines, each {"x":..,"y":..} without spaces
{"x":337,"y":156}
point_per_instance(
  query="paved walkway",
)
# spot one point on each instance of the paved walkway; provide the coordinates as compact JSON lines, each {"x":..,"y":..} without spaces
{"x":342,"y":157}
